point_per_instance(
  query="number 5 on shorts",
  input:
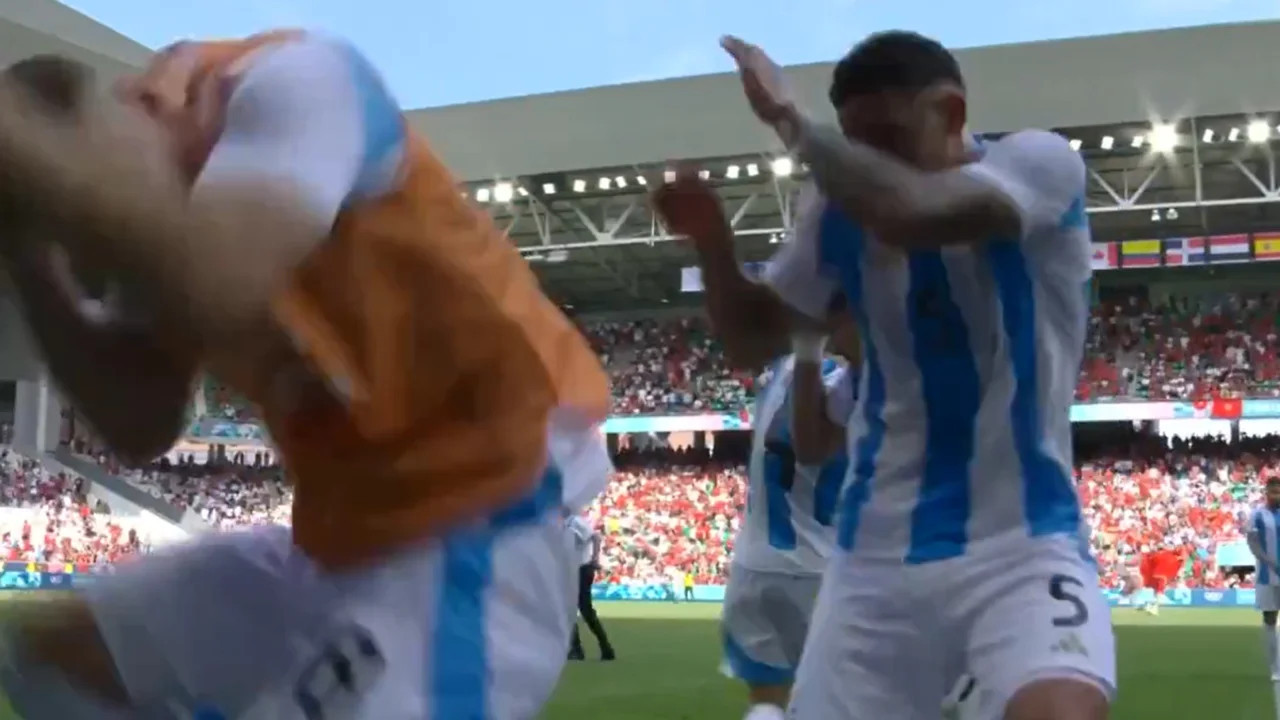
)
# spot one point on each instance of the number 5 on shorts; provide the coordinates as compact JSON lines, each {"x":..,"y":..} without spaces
{"x":1063,"y":589}
{"x":330,"y":688}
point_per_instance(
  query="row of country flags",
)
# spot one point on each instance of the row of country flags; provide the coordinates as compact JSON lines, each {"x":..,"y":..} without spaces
{"x":1214,"y":249}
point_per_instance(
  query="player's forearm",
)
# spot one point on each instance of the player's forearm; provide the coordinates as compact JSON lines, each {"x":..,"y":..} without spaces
{"x":749,"y":319}
{"x":903,"y":205}
{"x":133,"y":393}
{"x":814,"y":437}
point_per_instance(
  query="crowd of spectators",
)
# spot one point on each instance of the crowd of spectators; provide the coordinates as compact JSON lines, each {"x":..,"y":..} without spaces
{"x":1176,"y":349}
{"x":667,"y":513}
{"x":225,"y":494}
{"x":670,"y":513}
{"x":1189,"y":495}
{"x":46,"y":518}
{"x":1182,"y":348}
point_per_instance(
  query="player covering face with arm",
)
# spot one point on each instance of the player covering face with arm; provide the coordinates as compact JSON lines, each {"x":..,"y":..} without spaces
{"x":951,"y":257}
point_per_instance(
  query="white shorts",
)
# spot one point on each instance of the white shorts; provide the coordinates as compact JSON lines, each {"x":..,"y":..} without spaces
{"x":243,"y":626}
{"x":888,"y":640}
{"x":1267,"y":598}
{"x":765,"y":621}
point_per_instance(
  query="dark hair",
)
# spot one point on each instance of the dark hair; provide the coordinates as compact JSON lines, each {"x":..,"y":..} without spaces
{"x":892,"y":60}
{"x":56,"y":83}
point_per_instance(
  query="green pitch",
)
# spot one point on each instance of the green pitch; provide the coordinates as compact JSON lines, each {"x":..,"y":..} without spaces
{"x":1183,"y":665}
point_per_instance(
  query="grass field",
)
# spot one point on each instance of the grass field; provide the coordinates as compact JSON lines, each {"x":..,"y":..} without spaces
{"x":1186,"y":664}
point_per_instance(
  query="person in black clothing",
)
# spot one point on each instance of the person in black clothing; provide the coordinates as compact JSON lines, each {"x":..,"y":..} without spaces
{"x":588,"y":544}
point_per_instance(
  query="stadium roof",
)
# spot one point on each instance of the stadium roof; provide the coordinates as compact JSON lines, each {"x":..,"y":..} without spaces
{"x":560,"y":172}
{"x":1210,"y":70}
{"x":1178,"y":128}
{"x":28,"y":27}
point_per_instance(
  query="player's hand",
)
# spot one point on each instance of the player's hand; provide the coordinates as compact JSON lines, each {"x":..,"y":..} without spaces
{"x":689,"y":207}
{"x":762,"y":82}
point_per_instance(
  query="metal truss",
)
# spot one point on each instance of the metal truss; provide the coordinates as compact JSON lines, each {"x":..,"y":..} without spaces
{"x":1125,"y":182}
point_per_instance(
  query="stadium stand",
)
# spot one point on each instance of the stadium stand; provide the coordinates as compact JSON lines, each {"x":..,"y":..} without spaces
{"x":1180,"y":349}
{"x":48,"y":519}
{"x":669,"y":512}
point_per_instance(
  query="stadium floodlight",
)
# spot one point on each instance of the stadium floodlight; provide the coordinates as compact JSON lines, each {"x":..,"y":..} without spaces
{"x":1234,"y":135}
{"x":548,"y":188}
{"x":482,"y":195}
{"x":668,"y":176}
{"x":1139,"y":140}
{"x":503,"y":192}
{"x":1155,"y":216}
{"x":521,"y":191}
{"x":782,"y":167}
{"x":579,"y":185}
{"x":1164,"y":138}
{"x":1107,"y":142}
{"x":1207,"y":136}
{"x":731,"y":172}
{"x":1258,"y":131}
{"x":642,"y":180}
{"x":620,"y":181}
{"x":704,"y":174}
{"x":1075,"y":144}
{"x":752,"y":169}
{"x":603,"y":183}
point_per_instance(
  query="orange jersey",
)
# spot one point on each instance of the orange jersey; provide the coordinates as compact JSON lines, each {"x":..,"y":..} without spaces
{"x":445,"y":358}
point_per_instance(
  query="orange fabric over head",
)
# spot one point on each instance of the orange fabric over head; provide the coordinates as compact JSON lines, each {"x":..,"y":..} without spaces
{"x":445,"y":358}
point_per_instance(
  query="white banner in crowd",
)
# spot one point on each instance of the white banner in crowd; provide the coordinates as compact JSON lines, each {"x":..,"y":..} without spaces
{"x":691,"y":277}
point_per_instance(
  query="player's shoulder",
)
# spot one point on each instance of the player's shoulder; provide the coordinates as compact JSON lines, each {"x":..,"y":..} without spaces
{"x":1038,"y":152}
{"x":308,"y":61}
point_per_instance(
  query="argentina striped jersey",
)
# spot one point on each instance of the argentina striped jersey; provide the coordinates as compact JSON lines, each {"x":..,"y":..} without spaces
{"x":1263,"y":528}
{"x":971,"y":355}
{"x":789,"y":523}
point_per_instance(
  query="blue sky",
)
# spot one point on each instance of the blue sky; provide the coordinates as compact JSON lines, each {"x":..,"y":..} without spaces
{"x":441,"y":52}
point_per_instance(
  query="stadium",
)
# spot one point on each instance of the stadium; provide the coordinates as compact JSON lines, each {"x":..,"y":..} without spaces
{"x":1177,"y":420}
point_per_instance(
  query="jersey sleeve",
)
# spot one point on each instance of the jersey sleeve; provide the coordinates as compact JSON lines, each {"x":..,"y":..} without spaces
{"x":309,"y":113}
{"x":842,"y":393}
{"x":1039,"y":173}
{"x":1044,"y":179}
{"x":796,"y":273}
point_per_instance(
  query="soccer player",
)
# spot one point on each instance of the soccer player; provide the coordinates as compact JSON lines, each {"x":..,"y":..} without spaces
{"x":960,"y":537}
{"x":587,"y":544}
{"x":265,"y":212}
{"x":787,"y":532}
{"x":1263,"y":534}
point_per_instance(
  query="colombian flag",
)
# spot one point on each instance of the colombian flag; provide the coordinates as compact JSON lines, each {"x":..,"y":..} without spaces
{"x":1140,"y":253}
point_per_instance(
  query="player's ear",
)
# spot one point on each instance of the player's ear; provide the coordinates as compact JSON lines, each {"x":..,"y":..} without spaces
{"x":57,"y":84}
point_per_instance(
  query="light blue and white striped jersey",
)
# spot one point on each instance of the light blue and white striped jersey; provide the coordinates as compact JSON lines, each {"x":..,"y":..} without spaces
{"x":789,"y":523}
{"x":1263,"y":526}
{"x":971,"y":356}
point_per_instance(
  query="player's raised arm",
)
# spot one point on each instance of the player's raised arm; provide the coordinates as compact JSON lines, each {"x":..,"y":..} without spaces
{"x":822,"y":398}
{"x":104,"y":357}
{"x":1028,"y":179}
{"x":749,"y":319}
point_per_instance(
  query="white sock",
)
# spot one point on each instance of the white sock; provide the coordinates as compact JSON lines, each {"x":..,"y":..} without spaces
{"x":765,"y":711}
{"x":1272,"y":646}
